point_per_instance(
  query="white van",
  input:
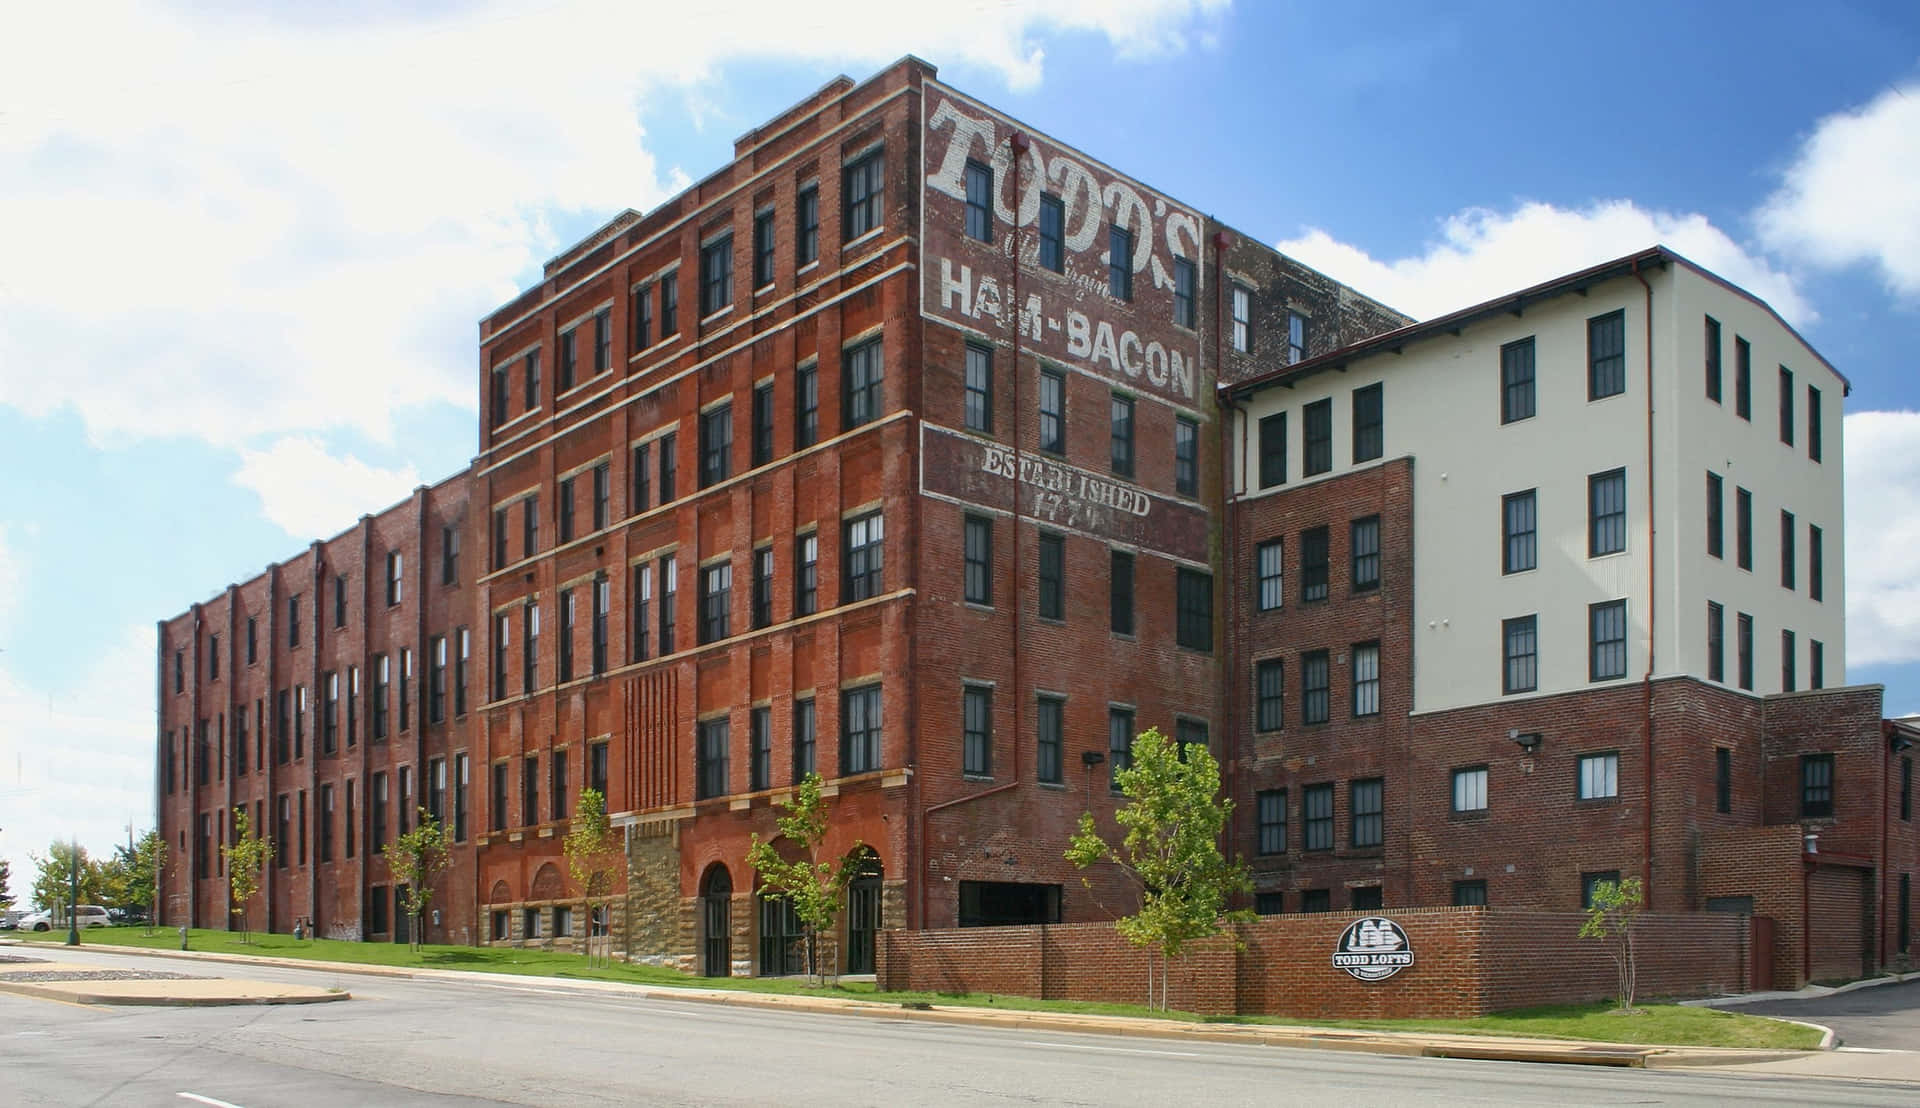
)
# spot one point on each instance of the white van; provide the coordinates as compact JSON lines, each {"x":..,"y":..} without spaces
{"x":91,"y":915}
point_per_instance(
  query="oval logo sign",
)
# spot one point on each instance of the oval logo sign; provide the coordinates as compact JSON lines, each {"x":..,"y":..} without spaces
{"x":1373,"y":949}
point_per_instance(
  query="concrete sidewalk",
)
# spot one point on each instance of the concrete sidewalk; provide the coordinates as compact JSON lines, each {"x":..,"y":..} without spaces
{"x":27,"y":973}
{"x":1403,"y":1043}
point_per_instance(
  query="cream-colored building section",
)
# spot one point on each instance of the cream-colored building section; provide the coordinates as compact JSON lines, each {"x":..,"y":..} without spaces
{"x":1442,"y":401}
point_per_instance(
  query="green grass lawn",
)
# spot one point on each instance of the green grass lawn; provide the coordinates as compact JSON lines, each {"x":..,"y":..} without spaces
{"x":1657,"y":1024}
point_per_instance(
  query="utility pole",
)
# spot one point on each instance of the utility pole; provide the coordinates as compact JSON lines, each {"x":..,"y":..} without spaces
{"x":73,"y":892}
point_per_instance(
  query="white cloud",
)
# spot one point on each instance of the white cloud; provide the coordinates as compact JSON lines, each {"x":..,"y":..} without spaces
{"x":1851,"y":196}
{"x":225,"y":223}
{"x":1482,"y":253}
{"x":13,"y":574}
{"x":312,"y":494}
{"x":1883,"y":531}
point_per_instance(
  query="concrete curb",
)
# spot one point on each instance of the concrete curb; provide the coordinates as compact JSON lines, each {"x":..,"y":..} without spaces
{"x":71,"y":996}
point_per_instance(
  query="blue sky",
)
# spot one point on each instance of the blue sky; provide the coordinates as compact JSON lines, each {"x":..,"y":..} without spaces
{"x":246,"y":248}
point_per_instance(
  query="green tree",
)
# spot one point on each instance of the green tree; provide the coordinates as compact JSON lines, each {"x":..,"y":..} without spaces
{"x":143,"y":865}
{"x":593,"y":857}
{"x":1610,"y":918}
{"x":815,"y":887}
{"x":1173,"y":819}
{"x":50,"y":882}
{"x":415,"y":858}
{"x":246,"y":858}
{"x":6,"y":878}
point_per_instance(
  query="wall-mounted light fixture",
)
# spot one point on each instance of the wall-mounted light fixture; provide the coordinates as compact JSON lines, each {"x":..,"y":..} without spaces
{"x":1529,"y":741}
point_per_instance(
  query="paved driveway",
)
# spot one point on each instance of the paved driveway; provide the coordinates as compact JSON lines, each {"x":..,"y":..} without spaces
{"x":1886,"y":1017}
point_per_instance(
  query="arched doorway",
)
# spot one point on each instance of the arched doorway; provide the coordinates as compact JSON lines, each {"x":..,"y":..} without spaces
{"x":863,"y":912}
{"x":782,"y":944}
{"x":716,"y":922}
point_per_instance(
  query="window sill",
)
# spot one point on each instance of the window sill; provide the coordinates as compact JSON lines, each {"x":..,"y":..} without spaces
{"x":1053,"y":786}
{"x":1582,"y":803}
{"x":809,"y":267}
{"x":977,"y":778}
{"x":1478,"y":815}
{"x":977,"y":606}
{"x":864,"y":238}
{"x":763,"y":289}
{"x":717,"y":313}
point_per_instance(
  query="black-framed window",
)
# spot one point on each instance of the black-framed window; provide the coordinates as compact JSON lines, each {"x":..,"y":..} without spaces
{"x":864,"y":191}
{"x":860,"y":720}
{"x":1316,"y":900}
{"x":1367,"y":811}
{"x":1743,"y":528}
{"x":1053,"y":232}
{"x":863,"y":557}
{"x":640,"y":306}
{"x":862,"y":377}
{"x":1516,"y":381}
{"x":1470,"y":894}
{"x":396,"y":579}
{"x":462,"y":654}
{"x":1183,"y":289}
{"x":640,"y":601}
{"x":1743,"y":649}
{"x":763,"y":586}
{"x":1788,"y":534}
{"x":497,"y":798}
{"x":1296,"y":338}
{"x":806,"y":405}
{"x":1269,"y":569}
{"x":716,"y":444}
{"x":670,"y":305}
{"x":1119,"y":744}
{"x":1716,"y":642}
{"x":1049,"y":728}
{"x":1816,"y":664}
{"x":602,"y":340}
{"x":1313,"y":687}
{"x":1520,"y":655}
{"x":1186,"y":456}
{"x":1273,"y":450}
{"x":1119,"y":262}
{"x":979,"y":388}
{"x":716,"y":601}
{"x":976,"y":723}
{"x":1606,"y":513}
{"x":1193,"y":617}
{"x":1816,"y":786}
{"x":1240,"y":309}
{"x":710,"y":770}
{"x":529,"y":790}
{"x":1121,"y":413}
{"x":567,"y":625}
{"x":1271,"y":808}
{"x":1313,"y":564}
{"x":1716,"y":516}
{"x":1597,"y":776}
{"x":1189,"y":732}
{"x":450,"y":555}
{"x":1316,"y":812}
{"x":762,"y":249}
{"x":716,"y":275}
{"x":806,"y":244}
{"x":1364,"y":548}
{"x":1519,"y":531}
{"x":330,"y":707}
{"x":566,"y":361}
{"x":1590,"y":883}
{"x":1470,"y":789}
{"x":497,"y":396}
{"x":760,"y":749}
{"x":1607,"y":355}
{"x":437,"y":677}
{"x":977,"y":554}
{"x":339,"y":620}
{"x":253,"y":637}
{"x":1366,"y":679}
{"x":804,"y":746}
{"x":1742,"y":378}
{"x":1816,"y":563}
{"x":1813,"y":423}
{"x":1269,"y":904}
{"x":762,"y":450}
{"x":557,"y":765}
{"x":669,"y":573}
{"x":1712,"y":335}
{"x":1722,"y":779}
{"x":1369,"y":423}
{"x":640,"y":494}
{"x":1269,"y":694}
{"x":1786,"y":405}
{"x":1120,"y":592}
{"x":1607,"y":649}
{"x":529,"y":526}
{"x":1317,"y":427}
{"x":1788,"y":649}
{"x":1053,"y":411}
{"x":806,"y":574}
{"x":978,"y":180}
{"x":1053,"y":575}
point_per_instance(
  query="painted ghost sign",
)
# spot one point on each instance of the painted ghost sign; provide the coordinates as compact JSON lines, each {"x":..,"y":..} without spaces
{"x":1067,"y":315}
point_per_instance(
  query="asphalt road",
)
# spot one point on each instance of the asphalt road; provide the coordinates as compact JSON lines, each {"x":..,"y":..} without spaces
{"x":1885,"y":1017}
{"x":438,"y":1041}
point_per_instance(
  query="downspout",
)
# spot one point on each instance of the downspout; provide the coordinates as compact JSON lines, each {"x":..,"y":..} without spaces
{"x":1653,"y":604}
{"x":1229,"y":464}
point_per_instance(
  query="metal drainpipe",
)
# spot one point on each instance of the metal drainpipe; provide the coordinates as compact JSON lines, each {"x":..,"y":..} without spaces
{"x":1653,"y":604}
{"x":1229,"y":504}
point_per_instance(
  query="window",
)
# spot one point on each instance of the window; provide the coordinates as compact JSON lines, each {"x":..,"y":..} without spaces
{"x":1816,"y":563}
{"x":640,"y":597}
{"x":1470,"y":789}
{"x":864,"y":557}
{"x":1313,"y":564}
{"x":1120,"y":592}
{"x":1053,"y":411}
{"x":299,"y":725}
{"x":530,"y":923}
{"x":716,"y":446}
{"x":1469,"y":894}
{"x":462,"y":645}
{"x":1119,"y":263}
{"x":602,"y":602}
{"x":1606,"y":513}
{"x":1519,"y":530}
{"x":1183,"y":283}
{"x":497,"y":396}
{"x":1316,"y":811}
{"x":1816,"y":786}
{"x":293,"y":628}
{"x":1743,"y":648}
{"x":381,"y":677}
{"x":1606,"y":355}
{"x":860,"y":730}
{"x":564,"y":666}
{"x":1269,"y":562}
{"x":979,"y":388}
{"x":531,"y":373}
{"x":1366,"y":679}
{"x":568,"y":359}
{"x":1607,"y":654}
{"x":1369,"y":424}
{"x":1119,"y":744}
{"x":1048,"y":728}
{"x":502,"y":638}
{"x":763,"y":586}
{"x":1722,"y":779}
{"x":564,"y":493}
{"x":1273,"y":450}
{"x":253,"y":638}
{"x":862,"y":188}
{"x":1906,"y":789}
{"x":1313,"y":687}
{"x":1269,"y":904}
{"x":1713,"y":359}
{"x":1122,"y":420}
{"x":979,"y":184}
{"x":710,"y":753}
{"x":1194,"y":609}
{"x":1186,"y":456}
{"x":803,"y":739}
{"x":437,"y":789}
{"x":976,"y":756}
{"x":1599,"y":776}
{"x":1367,"y":804}
{"x":1591,"y":882}
{"x":500,"y":557}
{"x":530,"y":790}
{"x":1813,"y":423}
{"x":760,"y":749}
{"x":377,"y":834}
{"x":1742,"y":378}
{"x":602,"y":340}
{"x":339,"y":620}
{"x":1716,"y":642}
{"x":330,"y":712}
{"x":1364,"y":546}
{"x":1269,"y":694}
{"x":1716,"y":499}
{"x":1053,"y":572}
{"x":1787,"y":536}
{"x":1787,"y":651}
{"x":861,"y":377}
{"x":1743,"y":528}
{"x":449,"y":555}
{"x":716,"y":594}
{"x":806,"y":247}
{"x":1816,"y":664}
{"x":1241,"y":302}
{"x":1317,"y":900}
{"x":763,"y":424}
{"x":806,"y":406}
{"x":1053,"y":231}
{"x":1319,"y":438}
{"x":762,"y":249}
{"x":1296,"y":338}
{"x":1272,"y":811}
{"x":602,"y":492}
{"x":1516,"y":381}
{"x":641,"y":308}
{"x":669,"y":305}
{"x":716,"y":275}
{"x":529,"y":526}
{"x":806,"y":576}
{"x":1786,"y":405}
{"x":530,"y":652}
